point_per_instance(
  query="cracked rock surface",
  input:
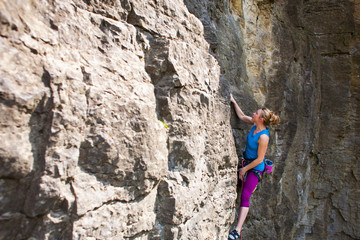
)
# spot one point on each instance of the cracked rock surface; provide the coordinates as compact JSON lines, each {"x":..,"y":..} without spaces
{"x":301,"y":59}
{"x":116,"y":123}
{"x":109,"y":126}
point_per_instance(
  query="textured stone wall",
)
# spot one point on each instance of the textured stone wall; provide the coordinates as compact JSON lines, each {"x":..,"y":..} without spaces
{"x":111,"y":123}
{"x":115,"y":119}
{"x":300,"y":58}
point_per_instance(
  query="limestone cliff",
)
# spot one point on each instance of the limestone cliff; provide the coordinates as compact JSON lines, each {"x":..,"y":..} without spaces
{"x":116,"y":123}
{"x":300,"y":58}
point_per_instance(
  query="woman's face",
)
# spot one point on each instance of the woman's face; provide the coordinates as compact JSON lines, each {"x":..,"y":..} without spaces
{"x":257,"y":115}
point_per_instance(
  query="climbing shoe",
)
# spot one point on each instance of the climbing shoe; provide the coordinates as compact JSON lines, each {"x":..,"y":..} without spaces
{"x":234,"y":235}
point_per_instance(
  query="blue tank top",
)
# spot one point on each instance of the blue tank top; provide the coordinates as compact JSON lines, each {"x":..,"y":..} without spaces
{"x":252,"y":146}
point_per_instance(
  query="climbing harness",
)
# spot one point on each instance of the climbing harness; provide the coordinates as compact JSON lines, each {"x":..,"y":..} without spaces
{"x":268,"y":169}
{"x":245,"y":162}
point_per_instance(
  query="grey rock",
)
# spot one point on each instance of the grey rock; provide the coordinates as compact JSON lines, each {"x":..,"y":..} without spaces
{"x":116,"y":123}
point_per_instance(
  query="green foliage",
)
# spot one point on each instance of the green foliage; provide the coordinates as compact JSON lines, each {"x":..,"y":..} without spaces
{"x":166,"y":126}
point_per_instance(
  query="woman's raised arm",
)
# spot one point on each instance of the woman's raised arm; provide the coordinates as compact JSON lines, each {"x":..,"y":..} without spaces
{"x":239,"y":112}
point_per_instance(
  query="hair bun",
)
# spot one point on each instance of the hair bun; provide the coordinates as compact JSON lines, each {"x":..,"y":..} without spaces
{"x":270,"y":118}
{"x":274,"y":119}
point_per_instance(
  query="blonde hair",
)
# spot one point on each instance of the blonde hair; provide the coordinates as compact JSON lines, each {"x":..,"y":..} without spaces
{"x":270,"y":118}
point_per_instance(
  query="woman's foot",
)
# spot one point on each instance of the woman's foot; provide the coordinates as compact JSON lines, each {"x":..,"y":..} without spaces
{"x":234,"y":235}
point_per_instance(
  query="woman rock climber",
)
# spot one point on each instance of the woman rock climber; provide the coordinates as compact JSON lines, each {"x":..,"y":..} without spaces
{"x":256,"y":144}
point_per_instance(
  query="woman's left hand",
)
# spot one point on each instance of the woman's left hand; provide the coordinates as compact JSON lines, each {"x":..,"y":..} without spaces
{"x":242,"y":173}
{"x":232,"y":98}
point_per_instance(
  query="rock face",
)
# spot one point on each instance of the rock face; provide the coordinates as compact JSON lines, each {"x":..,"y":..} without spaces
{"x":300,"y":58}
{"x":112,"y":125}
{"x":116,"y":123}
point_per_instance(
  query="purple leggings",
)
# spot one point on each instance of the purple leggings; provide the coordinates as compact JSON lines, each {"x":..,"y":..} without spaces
{"x":248,"y":188}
